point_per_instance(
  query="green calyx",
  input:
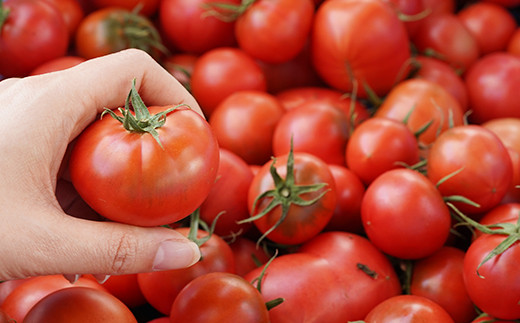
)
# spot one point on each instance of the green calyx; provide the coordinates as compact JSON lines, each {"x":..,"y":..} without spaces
{"x":141,"y":121}
{"x":4,"y":13}
{"x":226,"y":12}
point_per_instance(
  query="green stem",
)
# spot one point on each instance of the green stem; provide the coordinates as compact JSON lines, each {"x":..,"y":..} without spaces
{"x":4,"y":13}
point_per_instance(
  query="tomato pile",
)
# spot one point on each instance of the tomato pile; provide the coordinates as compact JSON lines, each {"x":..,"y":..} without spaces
{"x":359,"y":160}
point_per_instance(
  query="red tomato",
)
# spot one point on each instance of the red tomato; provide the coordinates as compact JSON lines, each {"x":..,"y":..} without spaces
{"x":394,"y":211}
{"x":126,"y":289}
{"x":378,"y":145}
{"x":72,"y":13}
{"x":479,"y":165}
{"x":513,"y":46}
{"x":244,"y":123}
{"x":228,"y":196}
{"x":163,"y":319}
{"x":189,"y":27}
{"x":440,"y":72}
{"x":23,"y":45}
{"x":181,"y":67}
{"x":408,"y":309}
{"x":504,"y":213}
{"x":439,"y":277}
{"x":146,"y":7}
{"x":492,"y":85}
{"x":494,"y":289}
{"x":306,"y":212}
{"x":485,"y":318}
{"x":350,"y":61}
{"x":349,"y":191}
{"x":7,"y":286}
{"x":411,"y":12}
{"x":364,"y":273}
{"x":222,"y":71}
{"x":247,"y":255}
{"x":437,"y":7}
{"x":446,"y":37}
{"x":109,"y":30}
{"x":315,"y":127}
{"x":491,"y":25}
{"x":421,"y":102}
{"x":161,"y":287}
{"x":80,"y":304}
{"x":275,"y":31}
{"x":58,"y":64}
{"x":505,"y":3}
{"x":160,"y":180}
{"x":25,"y":296}
{"x":219,"y":297}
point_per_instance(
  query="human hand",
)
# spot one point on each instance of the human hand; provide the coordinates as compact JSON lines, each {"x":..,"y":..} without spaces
{"x":41,"y":115}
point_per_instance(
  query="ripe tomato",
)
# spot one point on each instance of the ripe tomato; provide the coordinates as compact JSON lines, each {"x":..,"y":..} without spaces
{"x":439,"y":277}
{"x":126,"y":289}
{"x":190,"y":27}
{"x":219,"y":297}
{"x":222,"y":71}
{"x":286,"y":208}
{"x":344,"y":58}
{"x":247,"y":255}
{"x":275,"y":31}
{"x":109,"y":30}
{"x":492,"y":85}
{"x":513,"y":46}
{"x":57,"y":64}
{"x":159,"y":180}
{"x":161,"y":287}
{"x":408,"y":309}
{"x":506,"y":3}
{"x":378,"y":145}
{"x":23,"y":45}
{"x":80,"y":304}
{"x":244,"y":123}
{"x":146,"y":7}
{"x":478,"y":163}
{"x":411,"y":12}
{"x":404,"y":214}
{"x":504,"y":213}
{"x":181,"y":67}
{"x":485,"y":318}
{"x":72,"y":13}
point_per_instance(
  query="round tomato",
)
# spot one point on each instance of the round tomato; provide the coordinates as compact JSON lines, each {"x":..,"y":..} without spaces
{"x":504,"y":213}
{"x":80,"y":304}
{"x":23,"y":45}
{"x":146,"y":7}
{"x":72,"y":13}
{"x":405,"y":215}
{"x":219,"y":297}
{"x":295,"y":204}
{"x":58,"y":64}
{"x":247,"y":255}
{"x":352,"y":61}
{"x":126,"y":289}
{"x":163,"y":170}
{"x":513,"y":46}
{"x":411,"y":12}
{"x":181,"y":67}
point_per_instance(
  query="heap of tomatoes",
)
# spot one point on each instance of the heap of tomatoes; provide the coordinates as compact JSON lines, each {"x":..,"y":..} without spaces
{"x":359,"y":160}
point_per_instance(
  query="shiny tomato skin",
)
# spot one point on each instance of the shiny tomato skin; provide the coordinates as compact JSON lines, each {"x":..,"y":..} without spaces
{"x":503,"y":213}
{"x":58,"y":64}
{"x":23,"y":46}
{"x":126,"y":289}
{"x":219,"y":297}
{"x":247,"y":254}
{"x":301,"y":222}
{"x":146,"y":7}
{"x":156,"y":185}
{"x":377,"y":58}
{"x":395,"y":209}
{"x":72,"y":13}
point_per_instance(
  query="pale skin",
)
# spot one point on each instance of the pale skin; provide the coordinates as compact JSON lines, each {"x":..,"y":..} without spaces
{"x":41,"y":115}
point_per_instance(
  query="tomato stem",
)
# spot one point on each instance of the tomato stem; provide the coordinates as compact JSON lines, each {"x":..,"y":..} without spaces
{"x":226,"y":12}
{"x":4,"y":13}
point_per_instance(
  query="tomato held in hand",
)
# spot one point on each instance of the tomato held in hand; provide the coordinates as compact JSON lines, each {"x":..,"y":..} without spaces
{"x":146,"y":177}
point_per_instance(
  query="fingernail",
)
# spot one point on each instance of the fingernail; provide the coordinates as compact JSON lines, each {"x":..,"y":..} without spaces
{"x":173,"y":254}
{"x":72,"y":278}
{"x":101,"y":278}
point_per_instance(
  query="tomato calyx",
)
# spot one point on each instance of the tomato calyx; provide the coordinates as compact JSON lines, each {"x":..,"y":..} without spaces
{"x":4,"y":13}
{"x":142,"y":121}
{"x":226,"y":12}
{"x":258,"y":280}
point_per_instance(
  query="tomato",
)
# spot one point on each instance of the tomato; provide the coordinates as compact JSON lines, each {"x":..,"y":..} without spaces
{"x":365,"y":275}
{"x":421,"y":102}
{"x":80,"y":304}
{"x":446,"y":37}
{"x":219,"y":297}
{"x":404,"y":214}
{"x":439,"y":277}
{"x":440,"y":72}
{"x":505,"y":3}
{"x":222,"y":71}
{"x":162,"y":319}
{"x":190,"y":28}
{"x":478,"y":163}
{"x":378,"y":145}
{"x":72,"y":13}
{"x":484,"y":318}
{"x":504,"y":213}
{"x":227,"y":198}
{"x":7,"y":286}
{"x":495,"y":287}
{"x":492,"y":25}
{"x":26,"y":295}
{"x":58,"y":64}
{"x":297,"y":204}
{"x":109,"y":30}
{"x":513,"y":46}
{"x":146,"y":7}
{"x":181,"y":67}
{"x":247,"y":255}
{"x":411,"y":12}
{"x":126,"y":289}
{"x":315,"y":127}
{"x":161,"y":287}
{"x":160,"y":178}
{"x":349,"y":191}
{"x":350,"y":61}
{"x":275,"y":31}
{"x":23,"y":46}
{"x":244,"y":123}
{"x":308,"y":285}
{"x":408,"y":309}
{"x":492,"y":83}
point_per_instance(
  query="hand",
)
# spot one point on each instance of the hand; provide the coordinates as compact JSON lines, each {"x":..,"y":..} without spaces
{"x":40,"y":117}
